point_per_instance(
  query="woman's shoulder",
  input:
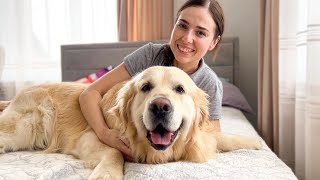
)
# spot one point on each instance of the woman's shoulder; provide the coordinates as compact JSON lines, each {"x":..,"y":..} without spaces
{"x":155,"y":45}
{"x":205,"y":74}
{"x":206,"y":79}
{"x":152,"y":49}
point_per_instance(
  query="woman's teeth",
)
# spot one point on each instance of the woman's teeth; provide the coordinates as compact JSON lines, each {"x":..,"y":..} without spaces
{"x":186,"y":50}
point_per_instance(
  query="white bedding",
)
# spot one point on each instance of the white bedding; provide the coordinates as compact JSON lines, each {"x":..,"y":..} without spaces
{"x":240,"y":164}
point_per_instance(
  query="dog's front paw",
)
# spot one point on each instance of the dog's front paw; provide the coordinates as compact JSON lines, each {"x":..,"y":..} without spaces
{"x":91,"y":164}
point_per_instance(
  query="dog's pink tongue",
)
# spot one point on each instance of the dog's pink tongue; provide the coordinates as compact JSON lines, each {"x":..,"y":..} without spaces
{"x":158,"y":139}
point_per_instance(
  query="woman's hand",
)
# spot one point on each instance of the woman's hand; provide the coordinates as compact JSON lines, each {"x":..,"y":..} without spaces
{"x":89,"y":101}
{"x":113,"y":138}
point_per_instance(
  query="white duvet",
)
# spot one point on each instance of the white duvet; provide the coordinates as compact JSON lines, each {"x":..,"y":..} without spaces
{"x":240,"y":164}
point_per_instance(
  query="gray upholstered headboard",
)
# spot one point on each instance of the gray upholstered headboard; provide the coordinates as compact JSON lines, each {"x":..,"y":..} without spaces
{"x":83,"y":59}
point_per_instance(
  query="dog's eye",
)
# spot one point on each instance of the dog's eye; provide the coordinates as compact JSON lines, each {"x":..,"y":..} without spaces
{"x":146,"y":87}
{"x":179,"y":89}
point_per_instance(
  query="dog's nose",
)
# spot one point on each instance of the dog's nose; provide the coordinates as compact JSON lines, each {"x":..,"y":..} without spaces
{"x":160,"y":107}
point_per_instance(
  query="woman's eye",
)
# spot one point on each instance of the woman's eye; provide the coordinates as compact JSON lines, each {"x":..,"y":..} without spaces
{"x":146,"y":87}
{"x":182,"y":26}
{"x":201,"y":33}
{"x":179,"y":89}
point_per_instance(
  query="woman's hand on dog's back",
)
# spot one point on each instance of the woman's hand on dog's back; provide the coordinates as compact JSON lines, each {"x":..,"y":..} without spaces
{"x":89,"y":102}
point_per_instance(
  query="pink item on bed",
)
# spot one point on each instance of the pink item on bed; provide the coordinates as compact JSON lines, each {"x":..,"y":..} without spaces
{"x":94,"y":76}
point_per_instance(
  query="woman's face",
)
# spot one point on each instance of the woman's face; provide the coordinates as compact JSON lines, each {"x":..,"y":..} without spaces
{"x":192,"y":35}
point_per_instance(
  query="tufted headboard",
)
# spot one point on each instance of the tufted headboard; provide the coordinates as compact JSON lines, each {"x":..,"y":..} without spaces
{"x":79,"y":60}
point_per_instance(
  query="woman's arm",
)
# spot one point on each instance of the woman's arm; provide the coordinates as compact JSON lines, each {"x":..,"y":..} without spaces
{"x":89,"y":102}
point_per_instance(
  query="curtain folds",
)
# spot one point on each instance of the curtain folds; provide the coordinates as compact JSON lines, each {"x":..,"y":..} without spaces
{"x":144,"y":20}
{"x":299,"y":81}
{"x":268,"y":116}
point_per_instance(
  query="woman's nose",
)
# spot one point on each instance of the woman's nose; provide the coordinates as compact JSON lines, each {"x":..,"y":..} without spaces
{"x":188,"y":37}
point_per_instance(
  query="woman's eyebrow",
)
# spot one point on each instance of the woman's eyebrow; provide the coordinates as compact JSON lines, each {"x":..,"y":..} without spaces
{"x":199,"y":27}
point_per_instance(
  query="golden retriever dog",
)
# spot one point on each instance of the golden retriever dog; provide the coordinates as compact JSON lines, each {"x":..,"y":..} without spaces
{"x":161,"y":111}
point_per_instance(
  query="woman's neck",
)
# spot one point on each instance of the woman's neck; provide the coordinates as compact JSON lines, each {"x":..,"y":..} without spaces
{"x":189,"y":68}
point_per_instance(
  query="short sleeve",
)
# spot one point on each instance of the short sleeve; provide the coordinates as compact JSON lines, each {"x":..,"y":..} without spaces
{"x":144,"y":57}
{"x":215,"y":93}
{"x":138,"y":60}
{"x":208,"y":81}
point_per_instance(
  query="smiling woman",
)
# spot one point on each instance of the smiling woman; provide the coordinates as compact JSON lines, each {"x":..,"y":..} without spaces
{"x":192,"y":37}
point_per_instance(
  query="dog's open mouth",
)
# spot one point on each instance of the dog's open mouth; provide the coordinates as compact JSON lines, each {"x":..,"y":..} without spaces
{"x":161,"y":138}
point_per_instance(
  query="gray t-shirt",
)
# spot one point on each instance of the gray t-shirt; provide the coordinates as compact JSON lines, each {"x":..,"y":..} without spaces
{"x":205,"y":78}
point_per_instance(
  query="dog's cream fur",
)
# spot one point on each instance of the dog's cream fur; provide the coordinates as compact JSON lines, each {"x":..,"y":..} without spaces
{"x":47,"y":117}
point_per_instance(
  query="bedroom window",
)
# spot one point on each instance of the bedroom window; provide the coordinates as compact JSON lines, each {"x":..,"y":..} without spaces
{"x":32,"y":31}
{"x":74,"y":21}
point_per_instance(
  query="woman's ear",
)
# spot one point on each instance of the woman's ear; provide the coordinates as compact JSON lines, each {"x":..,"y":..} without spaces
{"x":214,"y":43}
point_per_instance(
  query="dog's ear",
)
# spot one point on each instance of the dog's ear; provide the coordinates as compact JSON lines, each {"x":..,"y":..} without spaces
{"x":123,"y":102}
{"x":202,"y":145}
{"x":202,"y":111}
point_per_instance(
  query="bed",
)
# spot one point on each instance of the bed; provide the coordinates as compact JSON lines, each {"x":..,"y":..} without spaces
{"x":81,"y":60}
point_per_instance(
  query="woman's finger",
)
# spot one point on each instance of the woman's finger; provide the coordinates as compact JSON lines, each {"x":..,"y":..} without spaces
{"x":125,"y":141}
{"x":124,"y":149}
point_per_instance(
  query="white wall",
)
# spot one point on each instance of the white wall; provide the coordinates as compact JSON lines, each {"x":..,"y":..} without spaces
{"x":241,"y":20}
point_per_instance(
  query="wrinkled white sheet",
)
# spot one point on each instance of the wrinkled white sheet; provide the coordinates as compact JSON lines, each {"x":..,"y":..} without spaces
{"x":240,"y":164}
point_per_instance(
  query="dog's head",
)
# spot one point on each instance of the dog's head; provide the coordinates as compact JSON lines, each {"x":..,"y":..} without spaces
{"x":163,"y":109}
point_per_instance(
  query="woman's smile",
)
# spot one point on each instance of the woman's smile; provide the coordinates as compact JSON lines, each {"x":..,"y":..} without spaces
{"x":184,"y":49}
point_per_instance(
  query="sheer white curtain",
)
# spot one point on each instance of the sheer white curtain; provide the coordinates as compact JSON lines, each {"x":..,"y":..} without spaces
{"x":299,"y":76}
{"x":31,"y":32}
